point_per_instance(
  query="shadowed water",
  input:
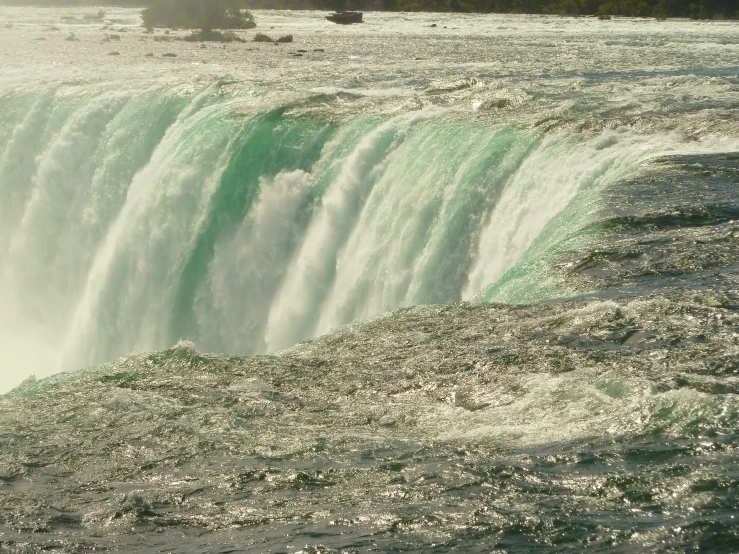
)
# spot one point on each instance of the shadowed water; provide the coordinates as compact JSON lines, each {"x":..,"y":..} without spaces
{"x":606,"y":422}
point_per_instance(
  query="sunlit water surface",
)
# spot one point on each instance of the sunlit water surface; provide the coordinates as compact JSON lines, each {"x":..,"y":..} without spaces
{"x":513,"y":241}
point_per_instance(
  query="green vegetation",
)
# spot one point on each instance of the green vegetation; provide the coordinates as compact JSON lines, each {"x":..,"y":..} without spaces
{"x":205,"y":15}
{"x":286,"y":38}
{"x":230,"y":14}
{"x":261,"y":37}
{"x":660,"y":9}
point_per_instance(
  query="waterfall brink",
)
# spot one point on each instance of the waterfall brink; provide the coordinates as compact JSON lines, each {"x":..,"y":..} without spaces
{"x":131,"y":220}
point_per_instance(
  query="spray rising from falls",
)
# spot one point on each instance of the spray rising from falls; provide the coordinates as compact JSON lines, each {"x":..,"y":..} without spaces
{"x":130,"y":220}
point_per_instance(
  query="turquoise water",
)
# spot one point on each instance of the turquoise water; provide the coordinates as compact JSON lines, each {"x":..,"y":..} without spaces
{"x":466,"y":288}
{"x":167,"y":217}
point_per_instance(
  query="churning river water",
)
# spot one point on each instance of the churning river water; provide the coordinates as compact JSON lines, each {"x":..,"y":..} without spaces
{"x":433,"y":283}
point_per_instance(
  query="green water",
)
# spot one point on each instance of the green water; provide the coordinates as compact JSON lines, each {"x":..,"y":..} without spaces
{"x":468,"y":287}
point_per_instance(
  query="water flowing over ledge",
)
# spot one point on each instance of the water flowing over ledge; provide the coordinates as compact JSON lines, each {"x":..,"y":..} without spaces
{"x":133,"y":220}
{"x":247,"y":200}
{"x":513,"y":241}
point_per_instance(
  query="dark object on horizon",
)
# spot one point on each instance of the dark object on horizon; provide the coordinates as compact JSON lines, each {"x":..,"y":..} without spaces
{"x":286,"y":38}
{"x":604,"y":17}
{"x":345,"y":18}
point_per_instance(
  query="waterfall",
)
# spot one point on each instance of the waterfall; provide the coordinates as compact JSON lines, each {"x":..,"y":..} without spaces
{"x":133,"y":219}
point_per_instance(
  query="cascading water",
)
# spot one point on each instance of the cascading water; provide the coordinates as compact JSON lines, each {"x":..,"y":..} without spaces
{"x":511,"y":241}
{"x":137,"y":219}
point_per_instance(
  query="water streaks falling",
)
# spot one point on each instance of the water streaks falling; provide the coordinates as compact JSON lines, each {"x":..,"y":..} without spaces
{"x":132,"y":220}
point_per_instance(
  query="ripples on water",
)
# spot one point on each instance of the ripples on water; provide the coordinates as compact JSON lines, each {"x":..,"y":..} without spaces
{"x":586,"y":176}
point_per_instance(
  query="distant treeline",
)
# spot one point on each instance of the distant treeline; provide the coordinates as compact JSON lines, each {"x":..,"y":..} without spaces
{"x":696,"y":9}
{"x":95,"y":3}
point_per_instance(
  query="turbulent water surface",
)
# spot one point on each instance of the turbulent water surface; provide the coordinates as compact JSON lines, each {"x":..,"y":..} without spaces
{"x":512,"y":241}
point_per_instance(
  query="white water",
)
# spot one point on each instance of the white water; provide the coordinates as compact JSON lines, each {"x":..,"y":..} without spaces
{"x":150,"y":199}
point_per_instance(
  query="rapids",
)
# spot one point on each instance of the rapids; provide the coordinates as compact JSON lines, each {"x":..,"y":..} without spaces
{"x":470,"y":287}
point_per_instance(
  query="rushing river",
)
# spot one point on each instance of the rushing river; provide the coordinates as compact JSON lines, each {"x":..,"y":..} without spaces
{"x":510,"y":242}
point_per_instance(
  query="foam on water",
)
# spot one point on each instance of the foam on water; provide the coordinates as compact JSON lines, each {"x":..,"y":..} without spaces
{"x":242,"y":199}
{"x":558,"y":426}
{"x":209,"y":197}
{"x":250,"y":233}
